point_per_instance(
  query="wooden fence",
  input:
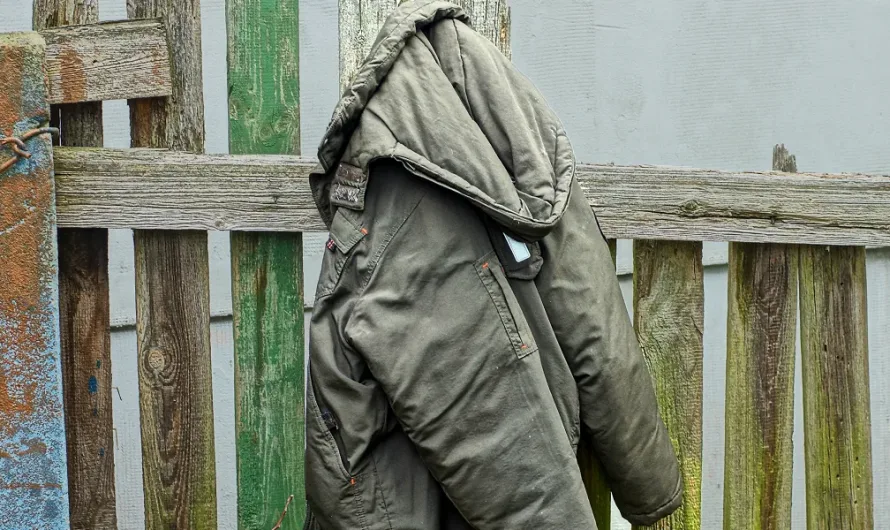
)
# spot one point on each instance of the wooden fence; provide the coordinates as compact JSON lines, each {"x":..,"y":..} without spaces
{"x":792,"y":235}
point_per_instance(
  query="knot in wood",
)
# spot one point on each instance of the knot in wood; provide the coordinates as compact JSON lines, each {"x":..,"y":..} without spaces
{"x":157,"y":359}
{"x":692,"y":208}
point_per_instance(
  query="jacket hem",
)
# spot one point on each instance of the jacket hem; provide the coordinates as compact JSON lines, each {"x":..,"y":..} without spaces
{"x":671,"y":505}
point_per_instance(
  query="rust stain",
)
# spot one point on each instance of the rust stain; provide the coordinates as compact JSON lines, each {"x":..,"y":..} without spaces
{"x":32,"y":433}
{"x":32,"y":485}
{"x":22,"y":199}
{"x":22,"y":335}
{"x":11,"y":60}
{"x":35,"y":447}
{"x":13,"y":407}
{"x":160,"y":70}
{"x":73,"y":78}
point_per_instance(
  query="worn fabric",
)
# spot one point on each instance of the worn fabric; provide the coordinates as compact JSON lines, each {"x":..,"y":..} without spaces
{"x":468,"y":323}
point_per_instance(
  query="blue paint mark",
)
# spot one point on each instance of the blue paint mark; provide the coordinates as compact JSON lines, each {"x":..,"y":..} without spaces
{"x":94,"y":384}
{"x":98,"y":363}
{"x":101,"y":451}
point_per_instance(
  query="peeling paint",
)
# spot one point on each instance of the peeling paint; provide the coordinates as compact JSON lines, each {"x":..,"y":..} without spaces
{"x":74,"y":87}
{"x":33,"y":474}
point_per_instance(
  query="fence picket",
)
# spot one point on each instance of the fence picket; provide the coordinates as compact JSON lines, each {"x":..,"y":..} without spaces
{"x":267,"y":271}
{"x":85,"y":315}
{"x":836,"y":404}
{"x":669,"y":319}
{"x":172,"y":302}
{"x":86,"y":367}
{"x":760,"y":354}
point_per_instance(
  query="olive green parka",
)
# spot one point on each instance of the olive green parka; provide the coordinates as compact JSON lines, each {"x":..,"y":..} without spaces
{"x":468,"y":324}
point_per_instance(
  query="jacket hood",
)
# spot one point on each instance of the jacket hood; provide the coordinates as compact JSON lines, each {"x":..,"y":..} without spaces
{"x":444,"y":101}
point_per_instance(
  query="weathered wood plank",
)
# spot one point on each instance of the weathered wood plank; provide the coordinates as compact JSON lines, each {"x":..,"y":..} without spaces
{"x":267,"y":271}
{"x":86,"y":357}
{"x":172,"y":302}
{"x":359,"y":22}
{"x":113,"y":60}
{"x":267,"y":303}
{"x":760,"y":380}
{"x":33,"y":481}
{"x":175,"y":400}
{"x":669,"y":319}
{"x":836,"y":403}
{"x":271,"y":193}
{"x":85,"y":315}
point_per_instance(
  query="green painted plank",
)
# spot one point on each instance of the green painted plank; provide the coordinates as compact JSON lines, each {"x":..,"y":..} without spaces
{"x":267,"y":274}
{"x":267,"y":270}
{"x":33,"y":478}
{"x":836,"y":403}
{"x":669,"y":319}
{"x":760,"y":380}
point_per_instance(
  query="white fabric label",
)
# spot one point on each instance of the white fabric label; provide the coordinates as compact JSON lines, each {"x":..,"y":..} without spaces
{"x":520,"y":251}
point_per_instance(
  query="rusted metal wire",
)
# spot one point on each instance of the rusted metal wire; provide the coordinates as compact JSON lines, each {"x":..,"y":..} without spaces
{"x":18,"y":146}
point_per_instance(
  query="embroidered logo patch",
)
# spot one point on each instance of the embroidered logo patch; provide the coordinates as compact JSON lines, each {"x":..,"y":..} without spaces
{"x":348,"y":187}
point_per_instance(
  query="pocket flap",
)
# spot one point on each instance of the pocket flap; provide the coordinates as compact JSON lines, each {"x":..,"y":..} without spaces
{"x":344,"y":233}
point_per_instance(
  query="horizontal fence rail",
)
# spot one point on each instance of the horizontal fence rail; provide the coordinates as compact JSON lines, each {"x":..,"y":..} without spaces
{"x":160,"y":189}
{"x":112,"y":60}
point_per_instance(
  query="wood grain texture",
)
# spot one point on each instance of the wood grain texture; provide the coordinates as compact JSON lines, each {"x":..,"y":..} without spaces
{"x":33,"y":477}
{"x":263,"y":76}
{"x":836,"y":403}
{"x":267,"y":271}
{"x":175,"y":398}
{"x":669,"y":318}
{"x":95,"y":62}
{"x":360,"y":20}
{"x":86,"y":367}
{"x":271,"y":193}
{"x":84,"y":314}
{"x":267,"y":302}
{"x":760,"y":352}
{"x":172,"y":302}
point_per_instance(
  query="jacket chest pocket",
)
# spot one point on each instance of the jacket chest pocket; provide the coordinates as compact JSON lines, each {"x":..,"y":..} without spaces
{"x":344,"y":235}
{"x":492,"y":275}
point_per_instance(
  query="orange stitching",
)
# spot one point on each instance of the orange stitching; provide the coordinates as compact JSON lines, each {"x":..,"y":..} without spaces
{"x":485,"y":265}
{"x":352,"y":481}
{"x":364,"y":231}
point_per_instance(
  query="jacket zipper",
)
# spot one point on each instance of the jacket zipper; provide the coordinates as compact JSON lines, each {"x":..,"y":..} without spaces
{"x":333,"y":427}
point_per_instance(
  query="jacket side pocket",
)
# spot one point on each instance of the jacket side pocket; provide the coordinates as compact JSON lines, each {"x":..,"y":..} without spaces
{"x":492,"y":275}
{"x":331,"y":490}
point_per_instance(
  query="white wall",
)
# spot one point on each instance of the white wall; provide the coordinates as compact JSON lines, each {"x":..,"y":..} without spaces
{"x":683,"y":82}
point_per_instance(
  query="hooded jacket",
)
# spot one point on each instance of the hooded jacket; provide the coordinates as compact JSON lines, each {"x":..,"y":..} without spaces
{"x":468,"y":322}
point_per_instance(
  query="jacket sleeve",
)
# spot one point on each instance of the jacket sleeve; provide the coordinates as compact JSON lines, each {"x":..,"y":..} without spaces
{"x":435,"y":328}
{"x":618,"y":406}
